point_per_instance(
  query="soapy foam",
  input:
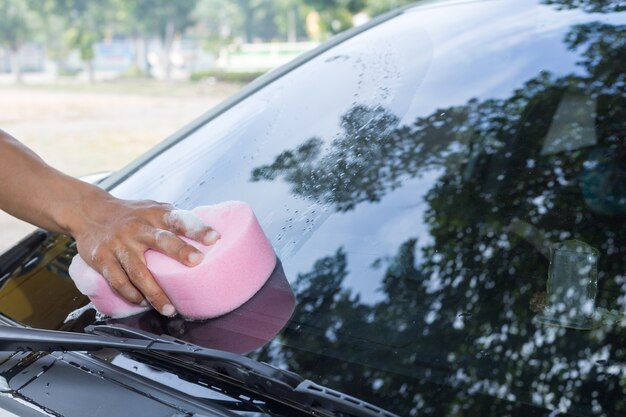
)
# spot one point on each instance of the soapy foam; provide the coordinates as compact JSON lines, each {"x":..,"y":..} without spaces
{"x":88,"y":283}
{"x":186,"y":220}
{"x":78,"y":312}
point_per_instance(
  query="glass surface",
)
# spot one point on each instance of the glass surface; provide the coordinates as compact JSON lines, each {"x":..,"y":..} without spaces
{"x":572,"y":286}
{"x":413,"y":180}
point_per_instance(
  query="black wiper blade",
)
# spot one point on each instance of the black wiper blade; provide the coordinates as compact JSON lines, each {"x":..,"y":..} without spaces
{"x":290,"y":386}
{"x":29,"y":339}
{"x":248,"y":372}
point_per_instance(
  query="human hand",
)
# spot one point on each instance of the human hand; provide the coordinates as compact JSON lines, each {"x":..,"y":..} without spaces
{"x":112,"y":236}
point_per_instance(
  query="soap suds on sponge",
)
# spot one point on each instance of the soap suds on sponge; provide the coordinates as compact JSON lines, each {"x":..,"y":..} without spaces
{"x":185,"y":220}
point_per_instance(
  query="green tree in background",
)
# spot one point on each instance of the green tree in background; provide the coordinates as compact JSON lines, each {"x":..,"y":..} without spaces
{"x":377,"y":7}
{"x":269,"y":19}
{"x":66,"y":25}
{"x":335,"y":15}
{"x":250,"y":10}
{"x":164,"y":19}
{"x":18,"y":24}
{"x":85,"y":23}
{"x":221,"y":20}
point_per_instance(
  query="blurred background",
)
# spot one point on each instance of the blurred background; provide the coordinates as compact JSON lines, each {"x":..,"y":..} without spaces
{"x":91,"y":84}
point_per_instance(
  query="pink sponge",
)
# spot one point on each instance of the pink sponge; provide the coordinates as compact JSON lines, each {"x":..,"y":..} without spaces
{"x":242,"y":330}
{"x":232,"y":271}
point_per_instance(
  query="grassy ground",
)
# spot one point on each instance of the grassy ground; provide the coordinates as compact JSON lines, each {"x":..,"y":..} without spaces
{"x":82,"y":129}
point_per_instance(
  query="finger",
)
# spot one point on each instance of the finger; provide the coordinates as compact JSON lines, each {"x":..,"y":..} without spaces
{"x":143,"y":280}
{"x":185,"y":222}
{"x":171,"y":245}
{"x":115,"y":275}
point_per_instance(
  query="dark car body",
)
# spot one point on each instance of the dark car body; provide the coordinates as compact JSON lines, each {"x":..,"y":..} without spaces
{"x":446,"y":191}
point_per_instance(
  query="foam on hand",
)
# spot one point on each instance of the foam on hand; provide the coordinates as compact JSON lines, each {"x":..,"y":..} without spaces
{"x":232,"y":271}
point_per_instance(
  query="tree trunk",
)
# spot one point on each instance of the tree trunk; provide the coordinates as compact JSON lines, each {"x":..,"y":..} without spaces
{"x":249,"y":22}
{"x":291,"y":25}
{"x":146,"y":51}
{"x":139,"y":52}
{"x":87,"y":56}
{"x":90,"y":71}
{"x":15,"y":65}
{"x":141,"y":55}
{"x":167,"y":41}
{"x":248,"y":16}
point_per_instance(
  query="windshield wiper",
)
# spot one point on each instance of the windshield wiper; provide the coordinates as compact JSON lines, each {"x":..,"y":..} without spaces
{"x":258,"y":377}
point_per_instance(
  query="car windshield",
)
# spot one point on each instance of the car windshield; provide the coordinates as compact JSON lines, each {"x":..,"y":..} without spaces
{"x":446,"y":193}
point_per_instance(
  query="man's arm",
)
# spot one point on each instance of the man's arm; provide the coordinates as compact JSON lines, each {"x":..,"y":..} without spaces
{"x":111,"y":234}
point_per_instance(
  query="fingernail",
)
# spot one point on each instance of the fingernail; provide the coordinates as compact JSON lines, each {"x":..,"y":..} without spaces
{"x":211,"y":237}
{"x":168,"y":310}
{"x":144,"y":303}
{"x":195,"y":258}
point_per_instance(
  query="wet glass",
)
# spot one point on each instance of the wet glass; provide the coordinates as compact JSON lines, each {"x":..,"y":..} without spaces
{"x":413,"y":181}
{"x":572,"y":286}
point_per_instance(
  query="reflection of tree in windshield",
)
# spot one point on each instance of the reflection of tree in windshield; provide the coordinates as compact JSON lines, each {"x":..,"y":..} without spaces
{"x":590,"y":6}
{"x":354,"y":170}
{"x":515,"y":177}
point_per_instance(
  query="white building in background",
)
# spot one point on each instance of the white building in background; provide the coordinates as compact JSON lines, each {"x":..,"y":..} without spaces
{"x":121,"y":56}
{"x":32,"y":58}
{"x":112,"y":59}
{"x":259,"y":57}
